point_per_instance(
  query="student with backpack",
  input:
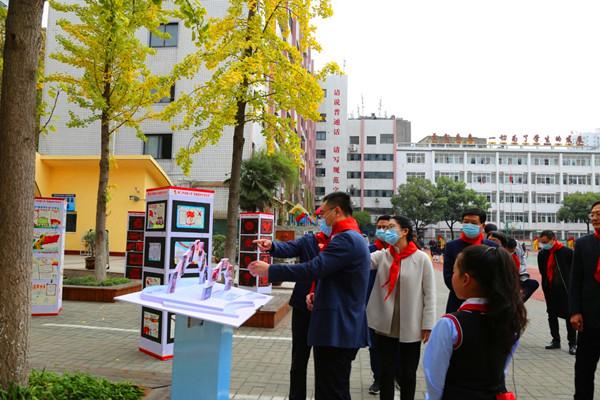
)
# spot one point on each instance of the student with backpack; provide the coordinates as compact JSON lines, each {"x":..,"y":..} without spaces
{"x":469,"y":350}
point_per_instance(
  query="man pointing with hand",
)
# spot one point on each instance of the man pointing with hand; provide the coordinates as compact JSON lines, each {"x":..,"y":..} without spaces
{"x":338,"y":324}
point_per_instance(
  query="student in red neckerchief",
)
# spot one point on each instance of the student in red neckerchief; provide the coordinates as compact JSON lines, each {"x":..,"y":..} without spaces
{"x":378,"y":244}
{"x":338,"y":324}
{"x":473,"y":222}
{"x":554,"y":262}
{"x":401,"y":308}
{"x":584,"y":301}
{"x":469,"y":350}
{"x":528,"y":285}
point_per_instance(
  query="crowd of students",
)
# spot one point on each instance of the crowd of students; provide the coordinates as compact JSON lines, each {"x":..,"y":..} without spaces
{"x":350,"y":295}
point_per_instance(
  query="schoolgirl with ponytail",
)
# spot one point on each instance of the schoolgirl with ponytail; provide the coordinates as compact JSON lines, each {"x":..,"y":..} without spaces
{"x":469,"y":350}
{"x":401,"y":308}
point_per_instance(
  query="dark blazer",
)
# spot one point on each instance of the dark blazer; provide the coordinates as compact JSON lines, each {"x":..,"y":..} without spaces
{"x":584,"y":296}
{"x":306,"y":248}
{"x":342,"y":270}
{"x":451,"y":251}
{"x":557,"y":298}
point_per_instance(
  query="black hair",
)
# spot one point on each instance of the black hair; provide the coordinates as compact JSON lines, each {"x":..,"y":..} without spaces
{"x":384,"y":218}
{"x":594,"y":205}
{"x":500,"y":236}
{"x":489,"y":228}
{"x":494,"y":270}
{"x":512,"y":244}
{"x":476,"y":211}
{"x":549,"y":234}
{"x":405,"y":223}
{"x":341,"y":200}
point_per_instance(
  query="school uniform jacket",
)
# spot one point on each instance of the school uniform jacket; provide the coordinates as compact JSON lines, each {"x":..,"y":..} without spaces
{"x":585,"y":290}
{"x":557,"y":299}
{"x":416,"y":283}
{"x":338,"y":318}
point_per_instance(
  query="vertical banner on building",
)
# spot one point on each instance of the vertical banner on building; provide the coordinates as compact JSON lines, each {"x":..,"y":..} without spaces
{"x":175,"y":218}
{"x":254,"y":226}
{"x":49,"y":219}
{"x":134,"y":248}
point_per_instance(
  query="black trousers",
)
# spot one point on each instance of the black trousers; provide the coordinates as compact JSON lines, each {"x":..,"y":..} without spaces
{"x":332,"y":372}
{"x":554,"y":331}
{"x":373,"y":356}
{"x":300,"y":353}
{"x":400,"y":361}
{"x":528,"y":287}
{"x":586,"y":360}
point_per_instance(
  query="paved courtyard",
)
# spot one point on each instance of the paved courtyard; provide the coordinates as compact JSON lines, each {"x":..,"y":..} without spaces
{"x":102,"y":339}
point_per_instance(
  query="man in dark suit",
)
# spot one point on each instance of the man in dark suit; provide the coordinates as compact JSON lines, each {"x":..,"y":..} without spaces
{"x":584,"y":302}
{"x":473,"y":222}
{"x":554,"y":262}
{"x":338,"y":324}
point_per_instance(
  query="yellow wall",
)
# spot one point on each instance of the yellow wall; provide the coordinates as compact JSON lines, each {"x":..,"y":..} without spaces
{"x":129,"y":176}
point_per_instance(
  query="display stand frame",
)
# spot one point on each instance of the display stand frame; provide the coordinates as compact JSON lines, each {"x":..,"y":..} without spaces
{"x":254,"y":225}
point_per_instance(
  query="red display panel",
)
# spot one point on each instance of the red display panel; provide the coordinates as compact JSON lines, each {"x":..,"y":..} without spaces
{"x":266,"y":226}
{"x":247,"y":258}
{"x":246,"y":243}
{"x":135,"y":236}
{"x":135,"y":259}
{"x":246,"y":279}
{"x":249,"y":226}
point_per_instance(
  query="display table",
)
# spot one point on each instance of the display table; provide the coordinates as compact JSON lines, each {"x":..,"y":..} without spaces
{"x":203,"y":337}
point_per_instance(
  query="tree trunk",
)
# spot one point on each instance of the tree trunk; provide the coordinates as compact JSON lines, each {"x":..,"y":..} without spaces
{"x":233,"y":202}
{"x":17,"y":174}
{"x":588,"y":226}
{"x":101,"y":236}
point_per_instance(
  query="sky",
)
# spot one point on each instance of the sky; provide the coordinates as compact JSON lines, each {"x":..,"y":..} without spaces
{"x":485,"y":67}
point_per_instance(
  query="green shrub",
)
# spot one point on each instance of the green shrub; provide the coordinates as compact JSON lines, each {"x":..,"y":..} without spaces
{"x":71,"y":386}
{"x":91,"y":281}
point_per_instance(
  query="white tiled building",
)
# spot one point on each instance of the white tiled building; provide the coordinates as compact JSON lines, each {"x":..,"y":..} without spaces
{"x":211,"y":167}
{"x":356,"y":155}
{"x":525,"y":185}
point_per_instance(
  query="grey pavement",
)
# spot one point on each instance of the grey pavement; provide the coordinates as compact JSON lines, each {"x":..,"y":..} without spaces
{"x":102,"y":339}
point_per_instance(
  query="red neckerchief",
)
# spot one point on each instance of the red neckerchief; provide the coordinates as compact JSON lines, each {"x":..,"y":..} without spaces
{"x":551,"y":263}
{"x":515,"y":258}
{"x":395,"y":268}
{"x":379,"y":244}
{"x":347,"y":224}
{"x":597,"y":273}
{"x":478,"y":240}
{"x":474,"y":307}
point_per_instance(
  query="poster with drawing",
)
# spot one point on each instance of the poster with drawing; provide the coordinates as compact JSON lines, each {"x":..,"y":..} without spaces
{"x":155,"y":216}
{"x":151,"y":326}
{"x":46,"y":267}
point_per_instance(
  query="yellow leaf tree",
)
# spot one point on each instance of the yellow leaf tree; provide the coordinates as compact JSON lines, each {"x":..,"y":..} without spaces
{"x":113,"y":84}
{"x":256,"y":73}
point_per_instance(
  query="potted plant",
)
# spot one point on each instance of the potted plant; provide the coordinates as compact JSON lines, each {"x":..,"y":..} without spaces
{"x":89,"y":241}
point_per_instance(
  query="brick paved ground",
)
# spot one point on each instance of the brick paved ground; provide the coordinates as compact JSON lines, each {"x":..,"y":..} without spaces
{"x":260,"y":365}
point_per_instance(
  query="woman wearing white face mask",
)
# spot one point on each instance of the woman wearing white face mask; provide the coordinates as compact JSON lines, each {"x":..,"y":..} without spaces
{"x":401,"y":308}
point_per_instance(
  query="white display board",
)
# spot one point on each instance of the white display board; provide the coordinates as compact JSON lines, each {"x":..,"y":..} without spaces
{"x":48,"y":245}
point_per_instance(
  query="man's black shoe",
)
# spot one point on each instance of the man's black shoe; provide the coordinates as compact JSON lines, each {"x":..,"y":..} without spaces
{"x":553,"y":345}
{"x":572,"y":349}
{"x":374,"y":388}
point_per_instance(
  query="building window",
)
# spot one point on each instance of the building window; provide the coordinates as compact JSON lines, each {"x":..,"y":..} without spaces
{"x":378,"y":193}
{"x":371,"y":139}
{"x":323,"y":117}
{"x":513,"y":198}
{"x":545,"y":160}
{"x":545,"y":218}
{"x":577,"y":179}
{"x":167,"y":99}
{"x":71,"y":223}
{"x":481,"y":177}
{"x":379,"y":157}
{"x":321,"y":153}
{"x":415,"y":158}
{"x":353,"y":174}
{"x":482,"y":159}
{"x":513,"y":159}
{"x":448,"y":158}
{"x":491,"y":198}
{"x":354,"y":192}
{"x":321,"y":135}
{"x":379,"y":175}
{"x":455,"y":176}
{"x":320,"y":172}
{"x":545,"y":179}
{"x":353,"y":157}
{"x":386,"y":138}
{"x":577,"y":161}
{"x":324,"y":93}
{"x":159,"y":146}
{"x":172,"y":29}
{"x":319,"y":191}
{"x":546,"y":198}
{"x":513,"y":178}
{"x":354,"y":139}
{"x":415,"y":175}
{"x":516,"y":217}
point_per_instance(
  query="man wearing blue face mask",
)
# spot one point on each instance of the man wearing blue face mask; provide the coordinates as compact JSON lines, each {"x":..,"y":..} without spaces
{"x":473,"y":222}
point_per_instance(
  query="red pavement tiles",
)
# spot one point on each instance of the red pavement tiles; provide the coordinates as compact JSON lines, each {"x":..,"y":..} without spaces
{"x":534,"y":273}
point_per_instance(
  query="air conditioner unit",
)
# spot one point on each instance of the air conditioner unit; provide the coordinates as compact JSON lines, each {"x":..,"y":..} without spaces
{"x":353,"y":148}
{"x":318,"y":198}
{"x":318,"y":162}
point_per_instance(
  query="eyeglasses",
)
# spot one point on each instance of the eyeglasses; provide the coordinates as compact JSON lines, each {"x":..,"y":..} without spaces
{"x":595,"y":214}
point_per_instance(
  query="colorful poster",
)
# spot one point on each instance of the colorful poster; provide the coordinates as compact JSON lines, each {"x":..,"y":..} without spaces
{"x":151,"y":324}
{"x":43,"y":294}
{"x":46,"y":268}
{"x":155,"y":216}
{"x":46,"y":242}
{"x":46,"y":218}
{"x":154,"y":252}
{"x":190,"y":217}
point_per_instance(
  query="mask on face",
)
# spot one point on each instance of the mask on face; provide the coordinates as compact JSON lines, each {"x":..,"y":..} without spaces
{"x":380,"y":234}
{"x":326,"y":229}
{"x":546,"y":246}
{"x":391,"y":236}
{"x":471,"y":230}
